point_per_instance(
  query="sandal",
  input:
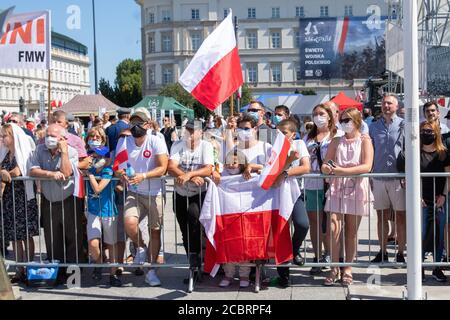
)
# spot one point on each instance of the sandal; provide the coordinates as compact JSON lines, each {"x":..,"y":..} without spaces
{"x":332,"y":277}
{"x":347,"y":279}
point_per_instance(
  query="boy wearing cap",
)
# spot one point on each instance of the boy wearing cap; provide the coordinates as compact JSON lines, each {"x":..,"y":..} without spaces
{"x":102,"y":212}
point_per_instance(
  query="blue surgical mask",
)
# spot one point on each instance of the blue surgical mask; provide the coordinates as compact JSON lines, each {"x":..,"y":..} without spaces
{"x":94,"y":144}
{"x":277,"y":119}
{"x":254,"y":115}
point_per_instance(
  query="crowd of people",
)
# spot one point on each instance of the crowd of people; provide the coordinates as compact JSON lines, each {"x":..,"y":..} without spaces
{"x":340,"y":142}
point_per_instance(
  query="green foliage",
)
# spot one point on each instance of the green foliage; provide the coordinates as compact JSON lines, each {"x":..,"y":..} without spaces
{"x":308,"y":92}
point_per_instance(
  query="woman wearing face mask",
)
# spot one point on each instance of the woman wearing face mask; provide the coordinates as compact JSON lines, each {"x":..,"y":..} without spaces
{"x":317,"y":142}
{"x":348,"y":199}
{"x":433,"y":158}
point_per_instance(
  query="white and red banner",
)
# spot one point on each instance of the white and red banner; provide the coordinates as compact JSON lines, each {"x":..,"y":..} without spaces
{"x":78,"y":191}
{"x":121,"y":159}
{"x":276,"y":162}
{"x":26,"y":41}
{"x":215,"y":72}
{"x":244,"y":222}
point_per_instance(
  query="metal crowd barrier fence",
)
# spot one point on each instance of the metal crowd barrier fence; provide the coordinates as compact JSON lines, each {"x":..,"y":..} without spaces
{"x":360,"y":238}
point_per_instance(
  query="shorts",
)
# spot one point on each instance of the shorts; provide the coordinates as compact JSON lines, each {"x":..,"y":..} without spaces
{"x":108,"y":227}
{"x":314,"y":200}
{"x":140,"y":206}
{"x":389,"y":194}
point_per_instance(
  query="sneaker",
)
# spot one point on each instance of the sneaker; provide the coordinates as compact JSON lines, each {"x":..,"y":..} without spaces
{"x":141,"y":256}
{"x":244,"y":284}
{"x":400,"y":258}
{"x":315,"y":270}
{"x":97,"y":274}
{"x":152,"y":279}
{"x":298,"y":260}
{"x":438,"y":275}
{"x":380,"y":257}
{"x":325,"y":259}
{"x":115,"y":281}
{"x":225,"y":283}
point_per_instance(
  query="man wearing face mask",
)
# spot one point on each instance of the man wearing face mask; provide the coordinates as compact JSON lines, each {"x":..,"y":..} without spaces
{"x":256,"y":110}
{"x":191,"y":160}
{"x":54,"y":161}
{"x":148,"y":157}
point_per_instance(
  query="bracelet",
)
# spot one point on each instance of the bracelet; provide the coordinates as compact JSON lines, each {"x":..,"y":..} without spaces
{"x":145,"y":175}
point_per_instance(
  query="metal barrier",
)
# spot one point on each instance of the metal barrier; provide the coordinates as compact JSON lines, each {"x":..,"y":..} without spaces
{"x":73,"y":209}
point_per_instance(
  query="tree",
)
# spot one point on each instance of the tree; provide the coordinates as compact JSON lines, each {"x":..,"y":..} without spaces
{"x":308,"y":92}
{"x":247,"y":96}
{"x":128,"y":84}
{"x":107,"y":90}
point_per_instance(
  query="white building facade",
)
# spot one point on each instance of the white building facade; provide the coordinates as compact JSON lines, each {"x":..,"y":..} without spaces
{"x":69,"y":77}
{"x":172,"y":31}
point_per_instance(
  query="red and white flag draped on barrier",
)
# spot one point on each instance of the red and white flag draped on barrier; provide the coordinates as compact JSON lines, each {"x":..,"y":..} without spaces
{"x":78,"y":191}
{"x":277,"y":160}
{"x":121,"y":160}
{"x":25,"y":40}
{"x":243,"y":222}
{"x":215,"y":72}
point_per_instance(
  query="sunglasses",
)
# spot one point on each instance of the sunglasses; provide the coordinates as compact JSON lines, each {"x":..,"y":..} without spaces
{"x":245,"y":129}
{"x":253,"y":110}
{"x":13,"y":121}
{"x":346,"y":120}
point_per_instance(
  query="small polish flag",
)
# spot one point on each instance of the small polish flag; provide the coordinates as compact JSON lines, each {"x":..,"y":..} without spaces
{"x":120,"y":163}
{"x":275,"y":165}
{"x":239,"y":92}
{"x":215,"y":72}
{"x":79,"y":183}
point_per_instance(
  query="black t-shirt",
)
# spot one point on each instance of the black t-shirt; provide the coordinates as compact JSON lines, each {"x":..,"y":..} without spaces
{"x":167,"y":132}
{"x":432,"y":187}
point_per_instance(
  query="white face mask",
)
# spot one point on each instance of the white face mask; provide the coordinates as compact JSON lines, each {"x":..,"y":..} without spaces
{"x":51,"y":143}
{"x":321,"y":121}
{"x":348,"y":127}
{"x":245,"y":135}
{"x":233,"y":171}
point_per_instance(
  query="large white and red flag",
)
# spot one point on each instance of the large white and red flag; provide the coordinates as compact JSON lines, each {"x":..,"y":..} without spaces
{"x":121,"y":159}
{"x":215,"y":72}
{"x":244,"y":222}
{"x":276,"y":162}
{"x":25,"y":41}
{"x":78,"y":190}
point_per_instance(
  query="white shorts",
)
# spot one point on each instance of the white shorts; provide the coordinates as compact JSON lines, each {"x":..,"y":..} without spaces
{"x":101,"y":226}
{"x":389,"y":194}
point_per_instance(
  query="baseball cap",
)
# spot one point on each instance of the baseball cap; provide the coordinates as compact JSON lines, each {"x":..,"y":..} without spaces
{"x":193,"y":125}
{"x":140,"y":115}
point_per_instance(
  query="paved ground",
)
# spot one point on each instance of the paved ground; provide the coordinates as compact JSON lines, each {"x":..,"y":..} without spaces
{"x":372,"y":283}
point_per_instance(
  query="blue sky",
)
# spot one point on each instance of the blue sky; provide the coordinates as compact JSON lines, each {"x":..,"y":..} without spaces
{"x":118,"y":28}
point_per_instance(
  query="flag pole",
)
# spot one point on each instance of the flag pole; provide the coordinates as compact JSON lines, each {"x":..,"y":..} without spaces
{"x":49,"y":66}
{"x":49,"y":95}
{"x":237,"y":44}
{"x":413,"y":203}
{"x":95,"y":47}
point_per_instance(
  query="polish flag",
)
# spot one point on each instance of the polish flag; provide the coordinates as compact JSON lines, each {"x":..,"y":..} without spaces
{"x":340,"y":39}
{"x":243,"y":222}
{"x":121,"y":160}
{"x":215,"y":72}
{"x":274,"y":167}
{"x":79,"y":191}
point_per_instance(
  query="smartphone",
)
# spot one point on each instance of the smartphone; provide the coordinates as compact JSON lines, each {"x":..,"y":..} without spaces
{"x":331,"y":163}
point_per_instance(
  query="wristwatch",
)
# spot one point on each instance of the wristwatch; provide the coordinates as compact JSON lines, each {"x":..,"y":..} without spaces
{"x":285,"y":174}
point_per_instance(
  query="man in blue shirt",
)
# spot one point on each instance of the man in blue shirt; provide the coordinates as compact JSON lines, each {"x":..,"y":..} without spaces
{"x":114,"y":131}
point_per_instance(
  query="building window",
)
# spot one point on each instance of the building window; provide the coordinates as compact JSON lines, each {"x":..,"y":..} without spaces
{"x":324,"y":11}
{"x":167,"y":43}
{"x":276,"y":72}
{"x":297,"y":39}
{"x":252,"y":40}
{"x":348,"y":11}
{"x":276,"y":13}
{"x":225,"y":13}
{"x":151,"y":76}
{"x":151,"y":18}
{"x":251,"y":13}
{"x":195,"y":14}
{"x":166,"y":15}
{"x":252,"y":70}
{"x":196,"y":41}
{"x":299,"y":12}
{"x":298,"y":75}
{"x":151,"y":43}
{"x":167,"y":75}
{"x":275,"y":39}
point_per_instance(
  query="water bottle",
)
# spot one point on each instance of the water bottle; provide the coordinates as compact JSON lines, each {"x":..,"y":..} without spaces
{"x":131,"y":173}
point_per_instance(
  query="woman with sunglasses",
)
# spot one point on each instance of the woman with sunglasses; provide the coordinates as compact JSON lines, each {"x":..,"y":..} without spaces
{"x":433,"y":158}
{"x":348,"y":198}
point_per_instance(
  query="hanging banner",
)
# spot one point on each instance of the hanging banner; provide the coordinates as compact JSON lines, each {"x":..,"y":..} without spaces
{"x":341,"y":48}
{"x":26,"y":41}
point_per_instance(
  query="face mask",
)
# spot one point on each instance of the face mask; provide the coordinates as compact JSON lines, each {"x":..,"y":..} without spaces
{"x":245,"y":135}
{"x":233,"y":171}
{"x":347,"y":127}
{"x":254,"y":115}
{"x":427,"y":138}
{"x":138,"y":132}
{"x":94,"y":144}
{"x":277,"y":119}
{"x":321,"y":121}
{"x":51,"y":143}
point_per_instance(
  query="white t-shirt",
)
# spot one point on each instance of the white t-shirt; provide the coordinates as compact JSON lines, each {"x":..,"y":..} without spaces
{"x":191,"y":160}
{"x":143,"y":159}
{"x":258,"y":154}
{"x":106,"y":125}
{"x":311,"y":146}
{"x":300,"y":147}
